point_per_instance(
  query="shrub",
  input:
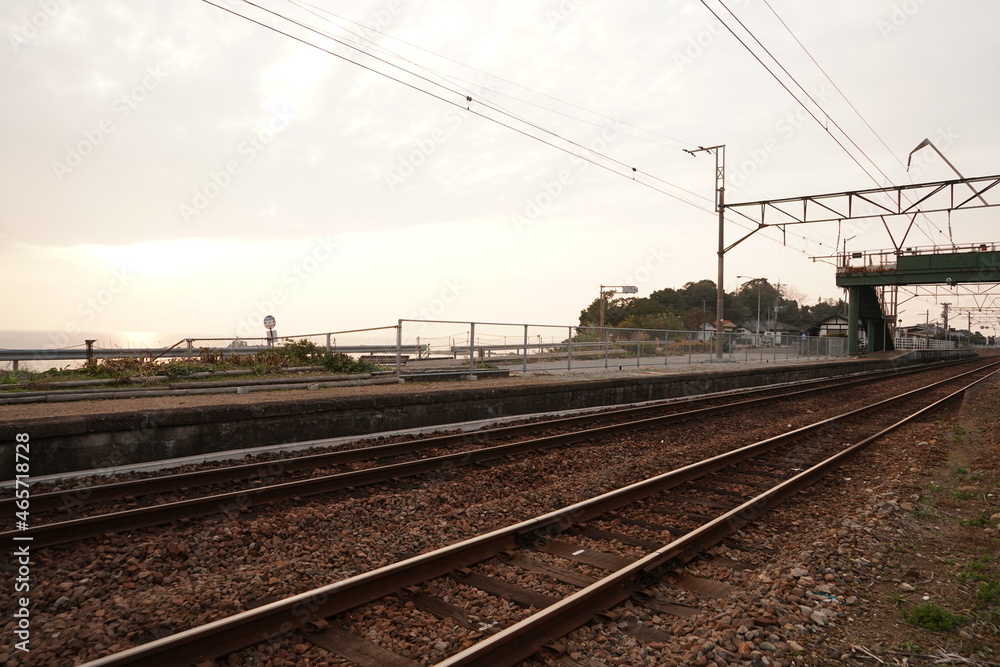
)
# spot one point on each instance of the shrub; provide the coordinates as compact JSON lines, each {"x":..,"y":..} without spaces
{"x":341,"y":363}
{"x":933,"y":617}
{"x":300,"y":351}
{"x":989,"y":591}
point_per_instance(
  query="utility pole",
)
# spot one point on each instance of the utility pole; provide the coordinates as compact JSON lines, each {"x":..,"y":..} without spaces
{"x":611,"y":290}
{"x":944,"y":316}
{"x":759,"y":281}
{"x":720,"y":206}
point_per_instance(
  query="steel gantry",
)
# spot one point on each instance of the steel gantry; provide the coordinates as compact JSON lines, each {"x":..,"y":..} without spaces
{"x":945,"y":265}
{"x":934,"y":197}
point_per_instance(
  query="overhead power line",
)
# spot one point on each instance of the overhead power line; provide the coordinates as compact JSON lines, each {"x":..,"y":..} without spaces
{"x":833,"y":83}
{"x":465,"y":103}
{"x":787,"y":89}
{"x":462,"y":99}
{"x":677,"y":143}
{"x":801,"y":103}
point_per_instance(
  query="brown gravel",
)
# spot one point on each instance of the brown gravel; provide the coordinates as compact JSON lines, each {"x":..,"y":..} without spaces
{"x":101,"y":597}
{"x":911,"y":522}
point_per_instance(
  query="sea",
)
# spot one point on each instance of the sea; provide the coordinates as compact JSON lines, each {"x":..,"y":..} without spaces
{"x":34,"y":340}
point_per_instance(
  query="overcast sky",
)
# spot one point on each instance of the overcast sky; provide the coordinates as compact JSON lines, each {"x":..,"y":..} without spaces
{"x":168,"y":166}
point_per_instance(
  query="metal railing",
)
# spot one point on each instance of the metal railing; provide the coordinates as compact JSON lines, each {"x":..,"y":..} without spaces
{"x":375,"y":342}
{"x":470,"y":347}
{"x":885,"y":259}
{"x":922,"y":343}
{"x":465,"y":348}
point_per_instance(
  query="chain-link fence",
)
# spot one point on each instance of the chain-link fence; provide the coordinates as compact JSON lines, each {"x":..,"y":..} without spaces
{"x":419,"y":346}
{"x":377,"y":345}
{"x":468,"y":347}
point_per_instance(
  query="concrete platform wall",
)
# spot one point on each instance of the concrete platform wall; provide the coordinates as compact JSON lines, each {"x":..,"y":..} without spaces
{"x":97,"y":441}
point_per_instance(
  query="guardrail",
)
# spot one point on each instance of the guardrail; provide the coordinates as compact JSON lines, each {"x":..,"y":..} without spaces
{"x":379,"y":340}
{"x":465,"y":347}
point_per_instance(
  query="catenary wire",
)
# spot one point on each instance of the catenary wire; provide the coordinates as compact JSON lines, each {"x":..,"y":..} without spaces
{"x":678,"y":142}
{"x":833,"y":83}
{"x":633,"y":174}
{"x":480,"y":102}
{"x":799,"y":101}
{"x":846,"y":99}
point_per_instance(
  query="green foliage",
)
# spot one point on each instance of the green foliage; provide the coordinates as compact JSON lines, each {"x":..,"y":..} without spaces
{"x":272,"y":360}
{"x":981,"y":520}
{"x":974,"y":570}
{"x":663,"y":321}
{"x":300,"y":351}
{"x":341,"y":363}
{"x":120,"y":368}
{"x":933,"y":617}
{"x":10,"y":377}
{"x":179,"y":368}
{"x":989,"y":591}
{"x":693,"y":305}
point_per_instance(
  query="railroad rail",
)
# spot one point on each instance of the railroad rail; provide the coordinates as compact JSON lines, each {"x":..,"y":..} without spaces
{"x":233,"y":502}
{"x":706,"y":501}
{"x":72,"y":499}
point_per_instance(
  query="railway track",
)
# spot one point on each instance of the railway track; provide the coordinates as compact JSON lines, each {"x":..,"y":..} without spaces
{"x":603,"y":551}
{"x":569,"y":429}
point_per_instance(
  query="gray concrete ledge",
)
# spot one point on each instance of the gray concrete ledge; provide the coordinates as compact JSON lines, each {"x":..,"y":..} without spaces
{"x":60,"y":445}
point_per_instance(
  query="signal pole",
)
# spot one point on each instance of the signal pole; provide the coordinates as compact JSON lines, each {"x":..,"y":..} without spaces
{"x":720,"y":206}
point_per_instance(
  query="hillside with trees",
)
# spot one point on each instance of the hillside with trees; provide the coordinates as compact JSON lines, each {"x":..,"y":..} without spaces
{"x":693,"y":305}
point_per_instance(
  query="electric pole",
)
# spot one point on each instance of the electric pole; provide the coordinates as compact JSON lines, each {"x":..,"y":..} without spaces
{"x":944,"y":316}
{"x":720,"y":206}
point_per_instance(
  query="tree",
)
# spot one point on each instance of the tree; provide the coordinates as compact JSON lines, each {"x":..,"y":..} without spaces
{"x":695,"y":317}
{"x":664,"y":321}
{"x":618,"y":310}
{"x":755,"y":294}
{"x":694,"y":304}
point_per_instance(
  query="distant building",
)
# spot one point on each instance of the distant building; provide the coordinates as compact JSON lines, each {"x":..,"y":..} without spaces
{"x":767,"y":332}
{"x":707,"y":330}
{"x":915,"y":337}
{"x":834,"y":325}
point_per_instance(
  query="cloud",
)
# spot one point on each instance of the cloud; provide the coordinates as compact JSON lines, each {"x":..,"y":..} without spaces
{"x":326,"y":173}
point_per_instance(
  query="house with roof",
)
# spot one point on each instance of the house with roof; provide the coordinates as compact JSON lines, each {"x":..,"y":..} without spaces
{"x":707,"y":330}
{"x":834,"y":325}
{"x":769,"y":332}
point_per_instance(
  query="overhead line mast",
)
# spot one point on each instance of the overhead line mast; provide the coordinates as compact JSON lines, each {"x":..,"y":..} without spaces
{"x":720,"y":206}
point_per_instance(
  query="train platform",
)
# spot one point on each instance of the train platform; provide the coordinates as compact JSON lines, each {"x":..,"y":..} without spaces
{"x":86,"y":435}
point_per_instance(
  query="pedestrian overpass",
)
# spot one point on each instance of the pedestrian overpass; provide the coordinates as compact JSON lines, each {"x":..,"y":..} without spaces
{"x":866,"y":275}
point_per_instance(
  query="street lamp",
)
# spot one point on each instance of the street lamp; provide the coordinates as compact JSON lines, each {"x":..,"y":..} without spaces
{"x":757,"y":336}
{"x":610,"y":290}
